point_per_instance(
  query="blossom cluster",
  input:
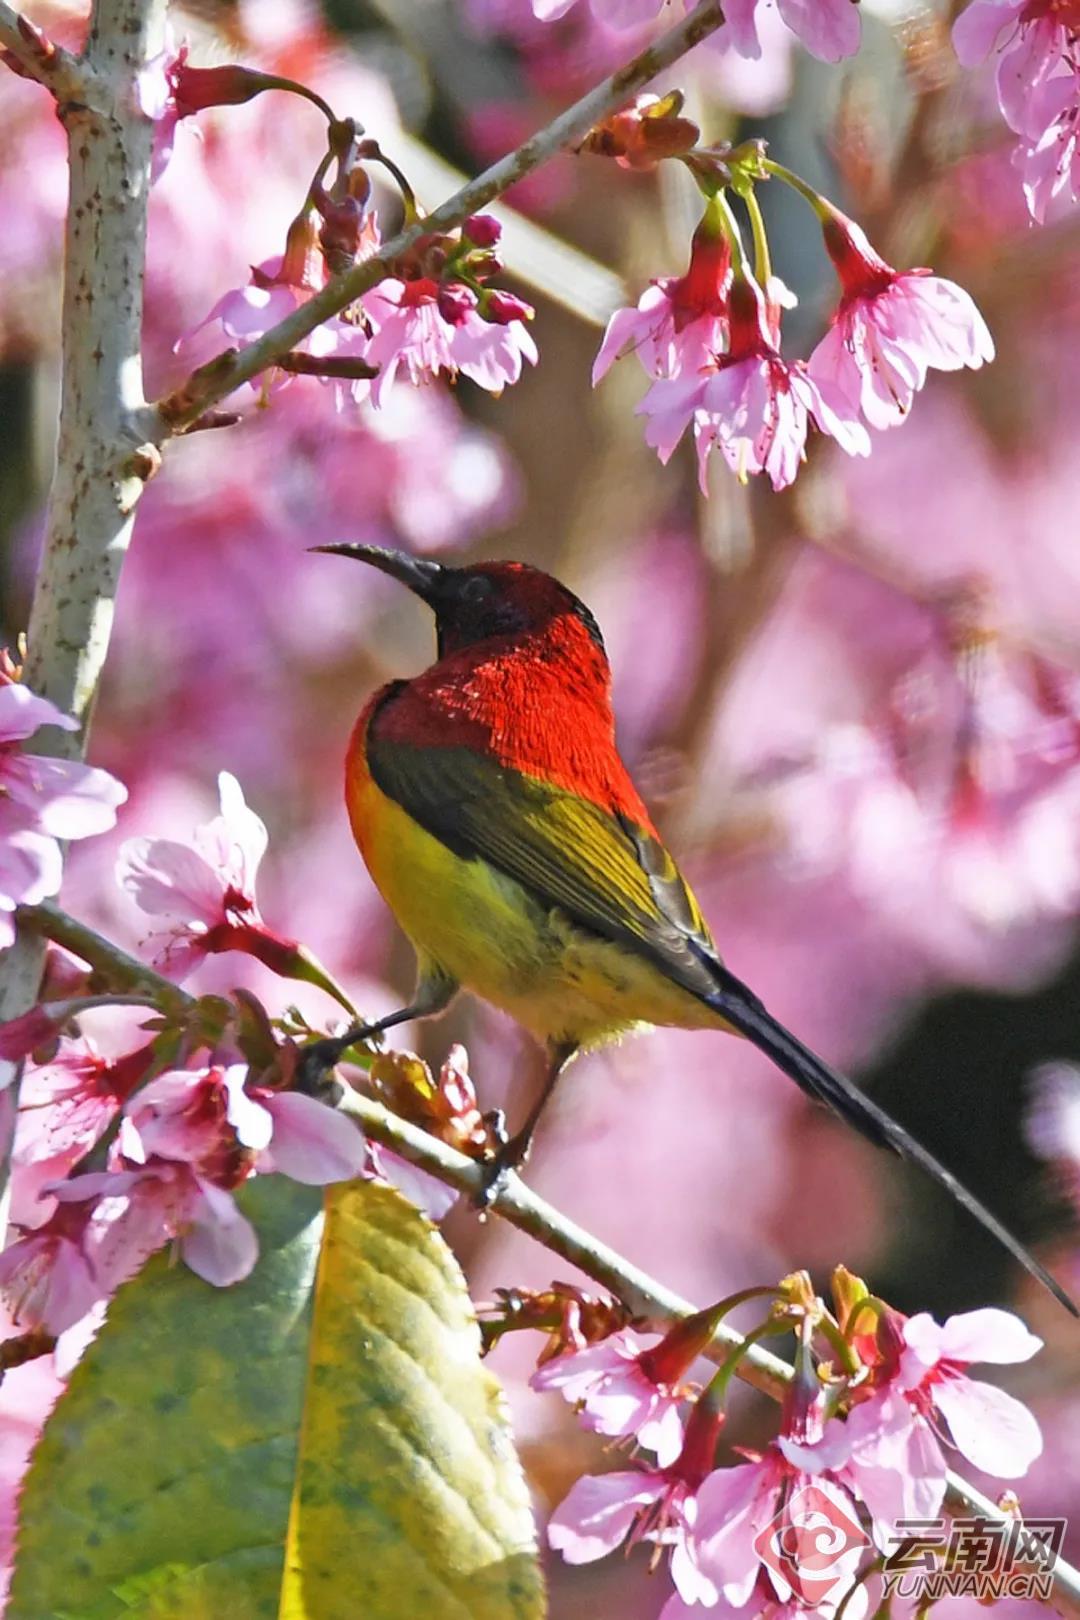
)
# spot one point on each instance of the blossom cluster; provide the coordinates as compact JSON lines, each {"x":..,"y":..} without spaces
{"x":438,"y":319}
{"x":435,"y":314}
{"x":862,"y":1445}
{"x":710,"y":340}
{"x":186,"y":1140}
{"x":1036,"y":46}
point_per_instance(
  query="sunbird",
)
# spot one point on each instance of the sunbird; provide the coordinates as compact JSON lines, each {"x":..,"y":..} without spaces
{"x":503,"y":830}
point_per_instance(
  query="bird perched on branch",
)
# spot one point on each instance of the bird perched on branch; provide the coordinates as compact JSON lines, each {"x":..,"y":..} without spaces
{"x":503,"y":830}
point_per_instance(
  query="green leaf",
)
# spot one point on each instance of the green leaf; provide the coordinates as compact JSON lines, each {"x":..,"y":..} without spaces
{"x":161,"y":1486}
{"x":410,"y":1499}
{"x":349,"y":1416}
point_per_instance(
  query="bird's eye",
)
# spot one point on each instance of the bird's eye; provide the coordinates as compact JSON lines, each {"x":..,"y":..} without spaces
{"x":476,"y":590}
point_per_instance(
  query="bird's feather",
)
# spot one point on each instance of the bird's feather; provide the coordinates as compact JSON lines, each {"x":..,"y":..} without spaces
{"x":614,"y":878}
{"x":565,"y":849}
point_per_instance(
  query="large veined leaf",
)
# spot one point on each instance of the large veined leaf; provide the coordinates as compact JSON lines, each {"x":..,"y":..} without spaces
{"x":161,"y":1486}
{"x":330,"y":1408}
{"x":410,"y":1500}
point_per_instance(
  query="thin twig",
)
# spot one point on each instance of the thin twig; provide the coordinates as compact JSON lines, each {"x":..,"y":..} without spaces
{"x":114,"y":964}
{"x":38,"y":58}
{"x":235,"y":367}
{"x":539,"y":258}
{"x":519,"y":1206}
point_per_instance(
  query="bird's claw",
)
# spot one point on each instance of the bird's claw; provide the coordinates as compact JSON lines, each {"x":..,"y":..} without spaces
{"x":314,"y":1075}
{"x":497,"y":1170}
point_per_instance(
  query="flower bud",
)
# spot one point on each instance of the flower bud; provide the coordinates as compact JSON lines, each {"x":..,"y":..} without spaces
{"x":504,"y":307}
{"x":456,"y":302}
{"x":228,"y":86}
{"x":483,"y":230}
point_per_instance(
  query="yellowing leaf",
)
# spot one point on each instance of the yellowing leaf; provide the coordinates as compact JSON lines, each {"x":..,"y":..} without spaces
{"x":410,"y":1502}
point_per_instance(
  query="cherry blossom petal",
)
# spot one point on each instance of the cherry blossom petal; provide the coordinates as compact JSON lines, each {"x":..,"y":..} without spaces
{"x":170,"y":879}
{"x":726,"y":1526}
{"x":31,"y":868}
{"x":596,"y":1516}
{"x":311,"y":1143}
{"x":984,"y":1335}
{"x":67,"y":799}
{"x":22,"y":712}
{"x":220,"y":1244}
{"x":992,"y":1429}
{"x":979,"y":26}
{"x":237,"y":839}
{"x":896,"y":1462}
{"x":829,"y":29}
{"x":663,"y":1433}
{"x":426,"y":1191}
{"x":253,"y":1124}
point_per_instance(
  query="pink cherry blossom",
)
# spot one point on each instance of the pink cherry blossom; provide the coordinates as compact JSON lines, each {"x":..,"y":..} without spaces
{"x":205,"y":890}
{"x":602,"y":1511}
{"x":828,"y":28}
{"x":770,"y":1518}
{"x":749,"y":403}
{"x":891,"y":328}
{"x":1034,"y":41}
{"x":186,"y":1139}
{"x":212,"y":1120}
{"x":161,"y":1201}
{"x":679,"y":321}
{"x":204,"y":1118}
{"x":889,"y":1450}
{"x":646,"y":1504}
{"x":1049,"y":164}
{"x":97,"y":1237}
{"x":617,"y":1393}
{"x":276,"y":288}
{"x":991,"y":1428}
{"x":64,"y":1105}
{"x":1037,"y":46}
{"x":42,"y":800}
{"x":47,"y":1276}
{"x":411,"y":334}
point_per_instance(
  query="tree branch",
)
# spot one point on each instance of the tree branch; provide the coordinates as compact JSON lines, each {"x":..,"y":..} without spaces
{"x":38,"y":58}
{"x":92,"y":499}
{"x":522,"y":1208}
{"x":236,"y":366}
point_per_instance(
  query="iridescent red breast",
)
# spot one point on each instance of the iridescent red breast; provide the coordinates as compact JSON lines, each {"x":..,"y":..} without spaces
{"x":538,"y":703}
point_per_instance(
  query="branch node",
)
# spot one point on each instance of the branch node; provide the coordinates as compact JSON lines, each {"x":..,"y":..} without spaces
{"x":143,"y":463}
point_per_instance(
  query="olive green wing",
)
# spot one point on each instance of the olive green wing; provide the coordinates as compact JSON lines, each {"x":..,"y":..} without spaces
{"x":607,"y":874}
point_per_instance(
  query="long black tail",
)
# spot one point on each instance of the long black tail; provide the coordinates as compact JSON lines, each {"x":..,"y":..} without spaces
{"x":746,"y":1013}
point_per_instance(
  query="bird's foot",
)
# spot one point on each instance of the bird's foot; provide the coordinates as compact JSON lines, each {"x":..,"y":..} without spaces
{"x":508,"y":1157}
{"x":315,"y":1066}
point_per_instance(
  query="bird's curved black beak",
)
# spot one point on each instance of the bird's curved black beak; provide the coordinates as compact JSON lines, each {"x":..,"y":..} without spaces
{"x":421,"y":575}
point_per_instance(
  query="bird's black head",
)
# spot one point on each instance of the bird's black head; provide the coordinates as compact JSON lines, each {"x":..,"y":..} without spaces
{"x":481,"y":602}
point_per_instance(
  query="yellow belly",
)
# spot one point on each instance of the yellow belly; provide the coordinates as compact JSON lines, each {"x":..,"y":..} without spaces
{"x":491,"y":935}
